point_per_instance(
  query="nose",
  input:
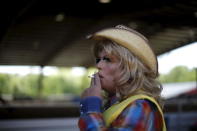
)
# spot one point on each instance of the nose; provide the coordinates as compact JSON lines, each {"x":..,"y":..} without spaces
{"x":99,"y":65}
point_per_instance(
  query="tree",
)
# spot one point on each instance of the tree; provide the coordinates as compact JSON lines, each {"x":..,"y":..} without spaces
{"x":4,"y":83}
{"x":178,"y":74}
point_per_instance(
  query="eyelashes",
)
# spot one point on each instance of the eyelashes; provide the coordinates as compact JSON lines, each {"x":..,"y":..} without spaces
{"x":104,"y":58}
{"x":98,"y":60}
{"x":107,"y":59}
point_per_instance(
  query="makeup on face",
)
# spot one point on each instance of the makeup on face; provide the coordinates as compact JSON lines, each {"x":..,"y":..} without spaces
{"x":105,"y":58}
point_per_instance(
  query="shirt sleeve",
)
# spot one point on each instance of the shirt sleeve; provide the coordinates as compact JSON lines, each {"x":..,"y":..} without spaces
{"x":91,"y":118}
{"x":139,"y":115}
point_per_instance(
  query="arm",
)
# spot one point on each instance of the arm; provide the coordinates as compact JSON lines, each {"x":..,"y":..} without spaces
{"x":91,"y":118}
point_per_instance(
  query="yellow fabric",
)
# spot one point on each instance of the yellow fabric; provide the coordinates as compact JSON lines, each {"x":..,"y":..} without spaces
{"x":112,"y":113}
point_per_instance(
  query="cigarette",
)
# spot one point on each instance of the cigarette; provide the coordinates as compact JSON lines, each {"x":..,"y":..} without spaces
{"x":92,"y":76}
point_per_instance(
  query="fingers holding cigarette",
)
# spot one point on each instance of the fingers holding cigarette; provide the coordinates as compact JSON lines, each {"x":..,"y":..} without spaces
{"x":91,"y":76}
{"x":95,"y":87}
{"x":95,"y":80}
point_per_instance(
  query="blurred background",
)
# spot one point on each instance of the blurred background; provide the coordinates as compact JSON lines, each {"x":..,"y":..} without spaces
{"x":45,"y":58}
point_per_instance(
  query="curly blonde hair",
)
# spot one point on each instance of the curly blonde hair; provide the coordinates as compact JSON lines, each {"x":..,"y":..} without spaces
{"x":135,"y":77}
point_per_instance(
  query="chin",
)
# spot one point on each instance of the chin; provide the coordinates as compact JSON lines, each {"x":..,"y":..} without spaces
{"x":108,"y":91}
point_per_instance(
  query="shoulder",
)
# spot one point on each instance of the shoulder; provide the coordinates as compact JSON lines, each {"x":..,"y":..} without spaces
{"x":139,"y":112}
{"x":141,"y":105}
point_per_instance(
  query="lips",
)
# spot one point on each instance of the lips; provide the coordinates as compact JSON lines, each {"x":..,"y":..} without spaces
{"x":100,"y":76}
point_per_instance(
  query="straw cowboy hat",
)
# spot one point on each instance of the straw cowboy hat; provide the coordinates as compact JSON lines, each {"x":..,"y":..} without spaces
{"x":133,"y":41}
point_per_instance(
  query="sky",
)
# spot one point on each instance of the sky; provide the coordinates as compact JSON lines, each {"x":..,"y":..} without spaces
{"x":186,"y":56}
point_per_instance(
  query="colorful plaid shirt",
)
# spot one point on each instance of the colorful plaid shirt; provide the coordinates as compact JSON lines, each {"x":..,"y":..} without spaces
{"x":140,"y":115}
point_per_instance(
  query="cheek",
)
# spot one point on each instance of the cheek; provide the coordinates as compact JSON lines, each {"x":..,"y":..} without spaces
{"x":112,"y":75}
{"x":108,"y":79}
{"x":115,"y":74}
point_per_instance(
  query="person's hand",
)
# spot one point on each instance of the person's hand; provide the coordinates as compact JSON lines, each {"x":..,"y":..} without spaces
{"x":94,"y":89}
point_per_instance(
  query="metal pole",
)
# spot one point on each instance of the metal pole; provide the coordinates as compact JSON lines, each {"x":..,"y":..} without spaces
{"x":196,"y":76}
{"x":40,"y":82}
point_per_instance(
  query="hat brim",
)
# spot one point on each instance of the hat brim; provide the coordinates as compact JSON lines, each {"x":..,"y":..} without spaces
{"x":132,"y":41}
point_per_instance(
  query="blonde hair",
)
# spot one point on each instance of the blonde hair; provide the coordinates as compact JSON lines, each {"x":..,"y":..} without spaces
{"x":135,"y":77}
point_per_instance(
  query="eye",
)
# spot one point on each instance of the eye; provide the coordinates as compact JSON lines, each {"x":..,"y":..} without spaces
{"x":107,"y":59}
{"x":97,"y":60}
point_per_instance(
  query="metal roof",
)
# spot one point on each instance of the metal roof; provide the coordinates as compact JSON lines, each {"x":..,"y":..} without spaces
{"x":53,"y":32}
